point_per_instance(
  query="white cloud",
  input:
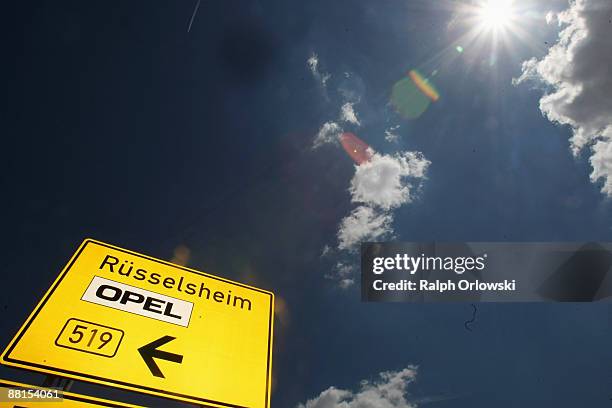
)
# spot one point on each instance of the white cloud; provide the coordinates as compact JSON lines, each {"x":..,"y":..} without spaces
{"x":601,"y":160}
{"x":382,"y":181}
{"x":329,"y":133}
{"x":324,"y":78}
{"x":347,"y":114}
{"x":577,"y":70}
{"x":313,"y":64}
{"x":380,"y":185}
{"x":550,"y":17}
{"x":326,"y":251}
{"x":391,"y":135}
{"x":346,"y":283}
{"x":344,"y":270}
{"x":343,"y":274}
{"x":389,"y":391}
{"x":363,"y":224}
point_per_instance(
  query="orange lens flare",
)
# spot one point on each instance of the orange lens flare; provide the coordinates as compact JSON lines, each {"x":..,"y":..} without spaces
{"x":424,"y":85}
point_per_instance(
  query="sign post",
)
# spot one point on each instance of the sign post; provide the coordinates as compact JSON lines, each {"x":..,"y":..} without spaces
{"x":122,"y":319}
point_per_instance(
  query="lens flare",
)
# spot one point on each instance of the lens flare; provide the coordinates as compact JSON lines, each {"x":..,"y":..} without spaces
{"x":356,"y":148}
{"x":411,"y":96}
{"x":424,"y":85}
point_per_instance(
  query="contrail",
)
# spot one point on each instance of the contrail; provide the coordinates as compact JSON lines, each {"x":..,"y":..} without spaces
{"x":195,"y":11}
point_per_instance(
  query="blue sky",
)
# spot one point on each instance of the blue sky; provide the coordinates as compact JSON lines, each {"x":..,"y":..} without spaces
{"x":123,"y":127}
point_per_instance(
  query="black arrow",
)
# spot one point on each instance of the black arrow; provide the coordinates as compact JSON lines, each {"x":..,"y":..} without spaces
{"x":150,"y":351}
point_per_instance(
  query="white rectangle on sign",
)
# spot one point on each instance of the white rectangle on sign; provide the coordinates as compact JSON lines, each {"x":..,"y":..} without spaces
{"x":143,"y":302}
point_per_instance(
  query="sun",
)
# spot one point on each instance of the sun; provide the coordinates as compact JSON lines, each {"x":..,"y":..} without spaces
{"x":496,"y":14}
{"x":491,"y":31}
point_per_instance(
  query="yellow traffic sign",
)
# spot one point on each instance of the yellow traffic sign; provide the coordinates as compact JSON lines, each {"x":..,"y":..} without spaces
{"x":14,"y":394}
{"x":119,"y":318}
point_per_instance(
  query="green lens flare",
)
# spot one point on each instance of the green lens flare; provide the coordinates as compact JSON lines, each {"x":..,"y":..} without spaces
{"x":408,"y":100}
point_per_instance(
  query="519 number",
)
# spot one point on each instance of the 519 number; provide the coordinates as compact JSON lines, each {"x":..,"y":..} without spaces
{"x":90,"y":337}
{"x":78,"y":333}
